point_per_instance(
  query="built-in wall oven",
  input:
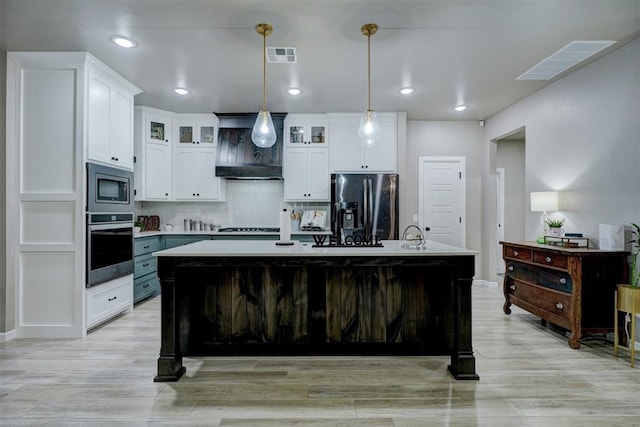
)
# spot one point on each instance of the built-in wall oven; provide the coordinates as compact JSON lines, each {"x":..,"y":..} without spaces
{"x":109,"y":223}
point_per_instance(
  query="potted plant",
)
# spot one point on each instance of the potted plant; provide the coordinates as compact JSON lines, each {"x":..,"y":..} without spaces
{"x":628,"y":295}
{"x":554,"y":227}
{"x":138,"y":226}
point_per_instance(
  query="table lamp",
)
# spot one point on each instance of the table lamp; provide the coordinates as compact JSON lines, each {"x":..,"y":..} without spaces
{"x":544,"y":201}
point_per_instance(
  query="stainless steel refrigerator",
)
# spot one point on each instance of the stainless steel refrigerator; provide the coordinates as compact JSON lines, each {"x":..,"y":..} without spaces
{"x":371,"y":198}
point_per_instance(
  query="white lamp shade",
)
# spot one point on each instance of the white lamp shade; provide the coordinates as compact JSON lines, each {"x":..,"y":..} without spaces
{"x":544,"y":201}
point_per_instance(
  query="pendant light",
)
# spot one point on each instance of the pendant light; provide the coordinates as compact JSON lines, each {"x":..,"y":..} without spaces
{"x":264,"y":133}
{"x":369,"y":131}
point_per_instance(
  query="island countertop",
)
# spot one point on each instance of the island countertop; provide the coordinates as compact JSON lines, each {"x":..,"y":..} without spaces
{"x":260,"y":248}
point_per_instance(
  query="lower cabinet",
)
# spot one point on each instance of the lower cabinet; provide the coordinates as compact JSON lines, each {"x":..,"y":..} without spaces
{"x":145,"y":283}
{"x":108,"y":299}
{"x":180,"y":240}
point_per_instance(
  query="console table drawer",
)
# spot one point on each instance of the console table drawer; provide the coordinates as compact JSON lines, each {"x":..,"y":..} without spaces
{"x":554,"y":260}
{"x":517,"y":253}
{"x":549,"y":300}
{"x":560,"y":281}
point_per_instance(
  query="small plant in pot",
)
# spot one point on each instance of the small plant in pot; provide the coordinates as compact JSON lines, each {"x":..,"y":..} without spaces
{"x":138,"y":226}
{"x":554,"y":227}
{"x":628,"y":296}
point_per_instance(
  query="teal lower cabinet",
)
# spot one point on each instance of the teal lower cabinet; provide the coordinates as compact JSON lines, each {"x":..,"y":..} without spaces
{"x":145,"y":280}
{"x":181,"y":239}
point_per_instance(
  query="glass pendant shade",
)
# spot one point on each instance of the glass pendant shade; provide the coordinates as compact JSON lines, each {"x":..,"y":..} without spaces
{"x":264,"y":133}
{"x":369,"y":130}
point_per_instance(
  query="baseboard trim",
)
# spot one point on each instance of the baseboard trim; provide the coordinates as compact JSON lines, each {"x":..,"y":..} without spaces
{"x":8,"y":336}
{"x":484,"y":283}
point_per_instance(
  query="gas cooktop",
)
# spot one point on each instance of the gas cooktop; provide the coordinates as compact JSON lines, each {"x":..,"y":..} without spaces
{"x":250,"y":229}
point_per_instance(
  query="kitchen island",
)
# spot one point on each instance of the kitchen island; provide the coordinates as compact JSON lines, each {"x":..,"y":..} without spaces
{"x":254,"y":297}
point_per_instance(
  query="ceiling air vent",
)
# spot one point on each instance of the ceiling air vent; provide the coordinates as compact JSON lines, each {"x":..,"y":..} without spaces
{"x":570,"y":55}
{"x":282,"y":55}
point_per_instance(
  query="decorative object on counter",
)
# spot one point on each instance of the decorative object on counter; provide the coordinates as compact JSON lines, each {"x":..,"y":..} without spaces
{"x":151,"y":222}
{"x":285,"y":229}
{"x":296,"y":215}
{"x":264,"y":132}
{"x":168,"y":227}
{"x":359,"y":240}
{"x":416,"y":239}
{"x":313,"y":220}
{"x":138,"y":226}
{"x":567,"y":241}
{"x":369,"y":130}
{"x":554,"y":227}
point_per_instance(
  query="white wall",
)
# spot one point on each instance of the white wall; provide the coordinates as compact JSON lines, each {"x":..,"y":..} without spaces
{"x":582,"y":138}
{"x":7,"y":317}
{"x":445,"y":138}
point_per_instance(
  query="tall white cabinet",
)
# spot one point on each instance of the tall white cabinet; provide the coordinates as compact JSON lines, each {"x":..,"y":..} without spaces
{"x":65,"y":108}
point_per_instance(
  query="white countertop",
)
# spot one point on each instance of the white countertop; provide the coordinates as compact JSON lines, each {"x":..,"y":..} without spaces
{"x":264,"y":248}
{"x":226,"y":233}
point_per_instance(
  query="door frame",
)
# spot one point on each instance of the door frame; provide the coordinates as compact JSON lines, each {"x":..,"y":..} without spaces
{"x":500,"y":176}
{"x":461,"y":161}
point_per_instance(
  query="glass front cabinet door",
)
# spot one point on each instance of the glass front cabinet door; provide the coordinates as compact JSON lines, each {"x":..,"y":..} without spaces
{"x":195,"y":130}
{"x":310,"y":130}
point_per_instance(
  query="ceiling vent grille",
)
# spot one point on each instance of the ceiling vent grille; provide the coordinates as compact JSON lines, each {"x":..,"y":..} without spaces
{"x":282,"y":55}
{"x":570,"y":55}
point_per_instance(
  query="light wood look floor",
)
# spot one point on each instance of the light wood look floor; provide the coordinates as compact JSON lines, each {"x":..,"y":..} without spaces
{"x":528,"y":377}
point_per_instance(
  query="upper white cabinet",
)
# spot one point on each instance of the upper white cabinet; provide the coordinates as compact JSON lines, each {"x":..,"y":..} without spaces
{"x":195,"y":130}
{"x":306,"y":129}
{"x":306,"y":174}
{"x":110,"y":115}
{"x":153,"y":165}
{"x":347,"y":153}
{"x":195,"y":175}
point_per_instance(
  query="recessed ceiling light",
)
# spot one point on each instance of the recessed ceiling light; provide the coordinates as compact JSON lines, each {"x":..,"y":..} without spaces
{"x":407,"y":90}
{"x":123,"y":41}
{"x":294,"y":91}
{"x":181,"y":91}
{"x":460,"y":107}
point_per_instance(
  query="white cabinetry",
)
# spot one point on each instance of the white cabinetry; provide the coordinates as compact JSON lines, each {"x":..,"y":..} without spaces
{"x":194,"y":174}
{"x":306,"y":129}
{"x":196,"y":130}
{"x":152,"y":170}
{"x":350,"y":156}
{"x":61,"y":112}
{"x":110,"y":112}
{"x":306,"y":174}
{"x":108,"y":299}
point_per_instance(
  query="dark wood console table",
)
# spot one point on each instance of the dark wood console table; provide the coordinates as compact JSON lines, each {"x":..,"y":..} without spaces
{"x":251,"y":297}
{"x":569,"y":287}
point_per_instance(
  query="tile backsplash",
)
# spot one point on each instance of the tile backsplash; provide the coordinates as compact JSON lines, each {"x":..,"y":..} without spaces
{"x":250,"y":203}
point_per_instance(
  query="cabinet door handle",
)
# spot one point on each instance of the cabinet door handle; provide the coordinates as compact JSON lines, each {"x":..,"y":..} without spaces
{"x":510,"y":268}
{"x":147,"y":247}
{"x":548,"y":259}
{"x":145,"y":265}
{"x":512,"y":287}
{"x":145,"y":286}
{"x":563,"y":280}
{"x":112,"y":299}
{"x":515,"y":253}
{"x":559,"y":306}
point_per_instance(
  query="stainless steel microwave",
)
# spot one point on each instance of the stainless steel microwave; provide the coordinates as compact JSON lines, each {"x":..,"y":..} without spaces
{"x":109,"y":189}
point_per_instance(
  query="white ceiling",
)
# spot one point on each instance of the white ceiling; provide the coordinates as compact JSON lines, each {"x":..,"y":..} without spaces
{"x":450,"y":51}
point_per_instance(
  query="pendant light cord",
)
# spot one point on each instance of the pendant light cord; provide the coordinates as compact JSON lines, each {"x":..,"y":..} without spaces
{"x":264,"y":70}
{"x":369,"y":71}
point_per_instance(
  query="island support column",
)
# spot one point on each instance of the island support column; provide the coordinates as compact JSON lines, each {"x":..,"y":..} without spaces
{"x":463,"y":362}
{"x":170,"y":361}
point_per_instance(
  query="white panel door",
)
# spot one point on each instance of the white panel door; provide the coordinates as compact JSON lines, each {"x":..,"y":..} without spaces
{"x":158,"y":171}
{"x":442,"y":199}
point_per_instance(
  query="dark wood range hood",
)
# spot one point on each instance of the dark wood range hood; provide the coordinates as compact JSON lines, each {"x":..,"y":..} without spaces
{"x":238,"y":157}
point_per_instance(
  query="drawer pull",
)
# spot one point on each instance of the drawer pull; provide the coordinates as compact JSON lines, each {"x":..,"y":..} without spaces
{"x":112,"y":299}
{"x":515,"y":253}
{"x":548,"y":259}
{"x":563,"y":280}
{"x":147,"y":247}
{"x":145,"y":286}
{"x":559,"y":306}
{"x":145,"y":265}
{"x":510,"y":268}
{"x":512,"y":287}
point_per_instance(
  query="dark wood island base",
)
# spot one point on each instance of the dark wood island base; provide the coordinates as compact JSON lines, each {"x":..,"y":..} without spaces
{"x":216,"y":304}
